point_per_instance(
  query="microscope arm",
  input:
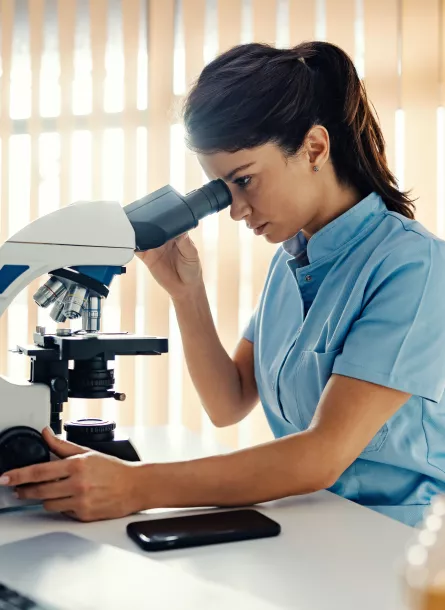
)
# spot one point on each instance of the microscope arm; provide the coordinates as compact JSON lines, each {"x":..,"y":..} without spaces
{"x":82,"y":234}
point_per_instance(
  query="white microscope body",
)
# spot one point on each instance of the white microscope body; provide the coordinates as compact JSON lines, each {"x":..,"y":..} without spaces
{"x":85,"y":233}
{"x":82,"y":246}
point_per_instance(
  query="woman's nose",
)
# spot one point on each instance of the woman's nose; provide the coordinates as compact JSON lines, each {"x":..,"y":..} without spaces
{"x":239,"y":208}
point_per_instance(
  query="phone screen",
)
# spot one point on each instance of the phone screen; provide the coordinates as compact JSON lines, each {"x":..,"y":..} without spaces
{"x":196,"y":530}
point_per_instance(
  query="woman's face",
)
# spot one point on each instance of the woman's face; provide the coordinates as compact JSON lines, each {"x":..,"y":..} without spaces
{"x":275,"y":195}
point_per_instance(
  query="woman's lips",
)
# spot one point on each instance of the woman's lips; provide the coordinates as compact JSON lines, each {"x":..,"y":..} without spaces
{"x":260,"y":230}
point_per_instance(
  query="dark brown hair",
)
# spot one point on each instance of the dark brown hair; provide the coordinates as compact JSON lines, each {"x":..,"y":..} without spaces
{"x":255,"y":93}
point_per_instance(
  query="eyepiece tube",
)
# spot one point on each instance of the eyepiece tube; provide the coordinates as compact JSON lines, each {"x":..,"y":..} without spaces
{"x":165,"y":214}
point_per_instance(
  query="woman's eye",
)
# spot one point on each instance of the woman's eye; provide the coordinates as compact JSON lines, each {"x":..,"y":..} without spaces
{"x":243,"y":182}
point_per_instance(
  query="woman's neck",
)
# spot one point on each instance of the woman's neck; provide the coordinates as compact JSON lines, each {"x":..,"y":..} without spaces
{"x":335,"y":201}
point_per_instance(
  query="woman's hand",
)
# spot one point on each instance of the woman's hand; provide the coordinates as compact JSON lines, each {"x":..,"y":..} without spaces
{"x":86,"y":485}
{"x":175,"y":265}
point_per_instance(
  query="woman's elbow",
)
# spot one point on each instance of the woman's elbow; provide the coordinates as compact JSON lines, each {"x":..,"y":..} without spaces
{"x":328,"y":478}
{"x":221,"y":419}
{"x":323,"y":478}
{"x":224,"y":422}
{"x":326,"y":462}
{"x":224,"y":416}
{"x":330,"y":473}
{"x":217,"y":422}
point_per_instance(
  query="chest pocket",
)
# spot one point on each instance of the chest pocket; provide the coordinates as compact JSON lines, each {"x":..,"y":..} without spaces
{"x":311,"y":376}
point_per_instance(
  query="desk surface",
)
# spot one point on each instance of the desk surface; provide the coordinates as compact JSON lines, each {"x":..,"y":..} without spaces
{"x":331,"y":554}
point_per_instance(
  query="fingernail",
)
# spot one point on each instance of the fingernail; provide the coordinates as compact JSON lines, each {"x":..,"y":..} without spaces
{"x":4,"y":480}
{"x":49,"y":430}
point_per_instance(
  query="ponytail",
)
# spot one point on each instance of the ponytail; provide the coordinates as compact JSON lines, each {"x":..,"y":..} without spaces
{"x":359,"y":154}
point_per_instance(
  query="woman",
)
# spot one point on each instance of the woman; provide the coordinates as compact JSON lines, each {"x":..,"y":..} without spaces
{"x":346,"y":348}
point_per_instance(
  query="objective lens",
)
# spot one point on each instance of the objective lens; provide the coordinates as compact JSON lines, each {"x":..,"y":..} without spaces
{"x":49,"y":292}
{"x":74,"y":301}
{"x":91,"y":315}
{"x":57,"y":312}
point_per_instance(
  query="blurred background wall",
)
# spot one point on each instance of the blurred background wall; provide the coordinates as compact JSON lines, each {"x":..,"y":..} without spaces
{"x":89,"y":99}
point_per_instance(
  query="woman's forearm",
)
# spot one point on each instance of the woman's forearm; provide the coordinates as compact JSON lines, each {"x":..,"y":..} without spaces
{"x":213,"y":372}
{"x":285,"y":467}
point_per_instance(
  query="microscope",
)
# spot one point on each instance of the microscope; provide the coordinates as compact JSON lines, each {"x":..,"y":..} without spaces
{"x":82,"y":247}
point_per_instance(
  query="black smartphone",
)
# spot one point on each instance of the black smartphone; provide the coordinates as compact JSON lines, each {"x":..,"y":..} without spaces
{"x":198,"y":530}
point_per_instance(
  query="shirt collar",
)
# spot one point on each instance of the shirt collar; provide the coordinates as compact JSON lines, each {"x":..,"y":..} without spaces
{"x":337,"y":233}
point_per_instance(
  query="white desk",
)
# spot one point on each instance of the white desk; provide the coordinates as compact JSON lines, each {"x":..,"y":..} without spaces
{"x":331,"y":554}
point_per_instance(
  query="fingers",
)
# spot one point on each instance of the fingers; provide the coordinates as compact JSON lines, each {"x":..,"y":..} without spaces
{"x":64,"y":505}
{"x":69,"y":513}
{"x":49,"y":471}
{"x":61,"y":447}
{"x":187,"y":248}
{"x":39,"y":473}
{"x":49,"y":491}
{"x":71,"y":496}
{"x":79,"y":510}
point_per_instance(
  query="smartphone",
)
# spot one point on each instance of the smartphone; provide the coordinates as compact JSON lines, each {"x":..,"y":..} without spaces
{"x":198,"y":530}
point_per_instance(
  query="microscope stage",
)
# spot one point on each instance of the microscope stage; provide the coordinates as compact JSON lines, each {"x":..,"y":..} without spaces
{"x":84,"y":346}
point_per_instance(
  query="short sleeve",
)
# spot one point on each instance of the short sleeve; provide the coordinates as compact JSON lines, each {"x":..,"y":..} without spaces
{"x":249,"y":331}
{"x":398,"y":341}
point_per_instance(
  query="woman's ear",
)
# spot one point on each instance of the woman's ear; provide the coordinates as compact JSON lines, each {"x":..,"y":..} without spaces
{"x":317,"y":145}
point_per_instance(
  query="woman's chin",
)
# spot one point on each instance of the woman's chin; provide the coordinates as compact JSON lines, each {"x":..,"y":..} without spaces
{"x":276,"y":237}
{"x":273,"y":238}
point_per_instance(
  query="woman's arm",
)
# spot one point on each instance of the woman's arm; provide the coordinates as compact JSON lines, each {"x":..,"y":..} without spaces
{"x":92,"y":486}
{"x":348,"y":416}
{"x":280,"y":468}
{"x":226,"y":386}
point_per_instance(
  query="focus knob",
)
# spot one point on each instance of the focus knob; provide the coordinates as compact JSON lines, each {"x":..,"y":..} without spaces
{"x":22,"y":446}
{"x":59,"y":384}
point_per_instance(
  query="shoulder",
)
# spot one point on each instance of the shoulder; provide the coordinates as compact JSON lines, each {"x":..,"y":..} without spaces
{"x":408,"y":251}
{"x":408,"y":242}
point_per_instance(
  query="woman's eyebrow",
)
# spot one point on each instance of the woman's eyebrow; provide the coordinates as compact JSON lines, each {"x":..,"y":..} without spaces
{"x":231,"y":174}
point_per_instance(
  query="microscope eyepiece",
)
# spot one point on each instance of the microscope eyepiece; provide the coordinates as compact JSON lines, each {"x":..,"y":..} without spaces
{"x":165,"y":214}
{"x":220,"y":193}
{"x":210,"y":198}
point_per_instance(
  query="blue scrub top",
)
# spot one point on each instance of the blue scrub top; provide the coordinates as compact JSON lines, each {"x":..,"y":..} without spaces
{"x":365,"y":298}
